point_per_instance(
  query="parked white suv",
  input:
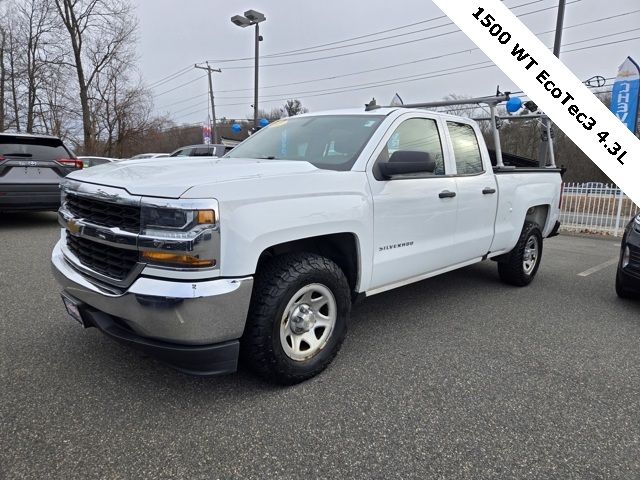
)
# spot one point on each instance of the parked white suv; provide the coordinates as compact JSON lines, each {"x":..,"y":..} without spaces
{"x":262,"y":252}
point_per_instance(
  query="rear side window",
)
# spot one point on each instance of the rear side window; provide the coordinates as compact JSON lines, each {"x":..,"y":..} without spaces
{"x":465,"y":148}
{"x":33,"y":148}
{"x":202,"y":152}
{"x":185,"y":152}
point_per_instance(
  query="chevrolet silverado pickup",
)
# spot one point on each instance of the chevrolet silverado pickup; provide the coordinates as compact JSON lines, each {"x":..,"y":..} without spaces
{"x":259,"y":255}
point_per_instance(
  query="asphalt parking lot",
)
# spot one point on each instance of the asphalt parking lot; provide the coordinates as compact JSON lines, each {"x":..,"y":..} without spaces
{"x":455,"y":377}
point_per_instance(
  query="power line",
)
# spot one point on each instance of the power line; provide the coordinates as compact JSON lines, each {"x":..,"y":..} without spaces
{"x":396,"y":65}
{"x":412,"y":62}
{"x":294,"y":94}
{"x":169,"y":77}
{"x":333,"y":77}
{"x":381,"y":47}
{"x":313,"y":47}
{"x":180,"y":86}
{"x":387,"y":83}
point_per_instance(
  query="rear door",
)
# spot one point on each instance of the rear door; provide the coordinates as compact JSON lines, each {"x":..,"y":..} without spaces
{"x":477,"y":193}
{"x":414,"y":216}
{"x":34,"y":160}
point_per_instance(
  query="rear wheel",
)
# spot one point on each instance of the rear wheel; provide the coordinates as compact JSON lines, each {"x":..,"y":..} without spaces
{"x":297,"y":319}
{"x":519,"y":267}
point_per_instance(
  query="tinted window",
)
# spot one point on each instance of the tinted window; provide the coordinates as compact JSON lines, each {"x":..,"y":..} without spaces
{"x":331,"y":142}
{"x":416,"y":134}
{"x":33,"y":148}
{"x":202,"y":152}
{"x":465,"y":148}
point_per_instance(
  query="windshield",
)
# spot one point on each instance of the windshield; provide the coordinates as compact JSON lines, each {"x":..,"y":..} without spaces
{"x":331,"y":142}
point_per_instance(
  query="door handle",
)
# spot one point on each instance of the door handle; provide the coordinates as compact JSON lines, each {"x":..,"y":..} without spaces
{"x":488,"y":190}
{"x":447,"y":194}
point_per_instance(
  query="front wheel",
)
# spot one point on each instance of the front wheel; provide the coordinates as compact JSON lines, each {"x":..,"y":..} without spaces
{"x":297,"y":318}
{"x":520,"y":266}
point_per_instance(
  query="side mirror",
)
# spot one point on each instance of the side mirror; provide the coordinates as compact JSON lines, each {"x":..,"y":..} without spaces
{"x":404,"y":162}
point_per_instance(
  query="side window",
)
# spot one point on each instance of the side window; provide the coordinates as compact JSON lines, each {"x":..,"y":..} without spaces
{"x":201,"y":152}
{"x":465,"y":148}
{"x":416,"y":134}
{"x":185,"y":152}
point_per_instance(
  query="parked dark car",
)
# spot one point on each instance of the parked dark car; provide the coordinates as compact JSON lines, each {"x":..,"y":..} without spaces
{"x":202,"y":151}
{"x":31,"y":167}
{"x":628,"y":275}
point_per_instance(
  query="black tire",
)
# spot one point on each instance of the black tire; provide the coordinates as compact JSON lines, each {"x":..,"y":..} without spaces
{"x":277,"y":281}
{"x":621,"y":291}
{"x":511,"y":267}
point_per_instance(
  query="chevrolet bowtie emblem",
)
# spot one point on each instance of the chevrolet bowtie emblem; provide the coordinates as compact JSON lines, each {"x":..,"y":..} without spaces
{"x":73,"y":227}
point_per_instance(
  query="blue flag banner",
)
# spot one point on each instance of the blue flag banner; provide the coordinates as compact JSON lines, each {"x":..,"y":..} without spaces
{"x":626,"y":94}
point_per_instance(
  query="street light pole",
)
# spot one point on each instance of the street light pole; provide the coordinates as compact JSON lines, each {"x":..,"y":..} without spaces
{"x":255,"y":78}
{"x":253,"y":17}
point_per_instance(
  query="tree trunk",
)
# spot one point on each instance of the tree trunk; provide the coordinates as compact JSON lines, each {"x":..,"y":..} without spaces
{"x":2,"y":80}
{"x":68,"y":16}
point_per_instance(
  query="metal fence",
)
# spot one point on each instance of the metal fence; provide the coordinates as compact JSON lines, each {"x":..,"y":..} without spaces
{"x":594,"y":207}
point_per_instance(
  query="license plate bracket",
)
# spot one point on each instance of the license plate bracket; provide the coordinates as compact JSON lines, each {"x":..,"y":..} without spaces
{"x":73,"y":309}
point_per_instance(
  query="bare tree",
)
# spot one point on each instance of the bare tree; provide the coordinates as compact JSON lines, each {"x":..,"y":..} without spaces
{"x":3,"y":76}
{"x":294,"y":107}
{"x":98,"y":32}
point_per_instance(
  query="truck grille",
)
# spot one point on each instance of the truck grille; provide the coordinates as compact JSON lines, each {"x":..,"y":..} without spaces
{"x":113,"y":262}
{"x":125,"y":217}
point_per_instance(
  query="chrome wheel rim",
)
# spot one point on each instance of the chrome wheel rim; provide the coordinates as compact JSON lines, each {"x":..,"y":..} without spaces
{"x":531,"y":254}
{"x":308,"y":321}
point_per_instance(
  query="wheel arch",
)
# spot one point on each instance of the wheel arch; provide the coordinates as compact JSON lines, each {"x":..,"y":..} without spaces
{"x":341,"y":248}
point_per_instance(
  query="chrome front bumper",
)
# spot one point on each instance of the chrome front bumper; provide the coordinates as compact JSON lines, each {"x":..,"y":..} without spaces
{"x":190,"y":313}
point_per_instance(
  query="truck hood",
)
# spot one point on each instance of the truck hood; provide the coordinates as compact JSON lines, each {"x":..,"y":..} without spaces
{"x":172,"y":177}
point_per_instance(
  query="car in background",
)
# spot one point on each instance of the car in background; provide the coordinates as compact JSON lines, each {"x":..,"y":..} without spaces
{"x":203,"y":150}
{"x":628,"y":273}
{"x":31,"y":167}
{"x":141,"y":156}
{"x":93,"y":161}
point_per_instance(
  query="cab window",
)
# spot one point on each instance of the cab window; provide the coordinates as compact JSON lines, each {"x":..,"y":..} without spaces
{"x":466,"y":149}
{"x":416,"y":134}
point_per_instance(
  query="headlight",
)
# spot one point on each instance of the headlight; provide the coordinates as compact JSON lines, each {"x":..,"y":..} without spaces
{"x":637,"y":220}
{"x":180,"y":233}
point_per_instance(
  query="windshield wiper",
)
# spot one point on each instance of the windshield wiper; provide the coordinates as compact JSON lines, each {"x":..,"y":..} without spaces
{"x":18,"y":155}
{"x":268,"y":157}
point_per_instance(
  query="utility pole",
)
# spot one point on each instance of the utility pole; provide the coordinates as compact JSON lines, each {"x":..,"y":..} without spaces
{"x":214,"y":127}
{"x":545,"y":150}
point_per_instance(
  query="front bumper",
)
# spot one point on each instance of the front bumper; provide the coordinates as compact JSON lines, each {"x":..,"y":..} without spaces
{"x":192,"y":313}
{"x":214,"y":359}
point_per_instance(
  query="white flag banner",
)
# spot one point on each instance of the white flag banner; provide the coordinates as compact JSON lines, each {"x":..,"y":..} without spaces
{"x":552,"y":86}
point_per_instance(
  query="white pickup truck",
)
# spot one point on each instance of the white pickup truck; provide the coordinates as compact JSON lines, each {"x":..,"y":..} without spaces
{"x":260,"y":254}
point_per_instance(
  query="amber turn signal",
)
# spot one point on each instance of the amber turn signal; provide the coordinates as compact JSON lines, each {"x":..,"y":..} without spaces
{"x":206,"y":217}
{"x":177,"y":259}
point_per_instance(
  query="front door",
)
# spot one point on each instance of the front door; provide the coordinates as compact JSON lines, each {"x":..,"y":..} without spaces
{"x":414,"y":216}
